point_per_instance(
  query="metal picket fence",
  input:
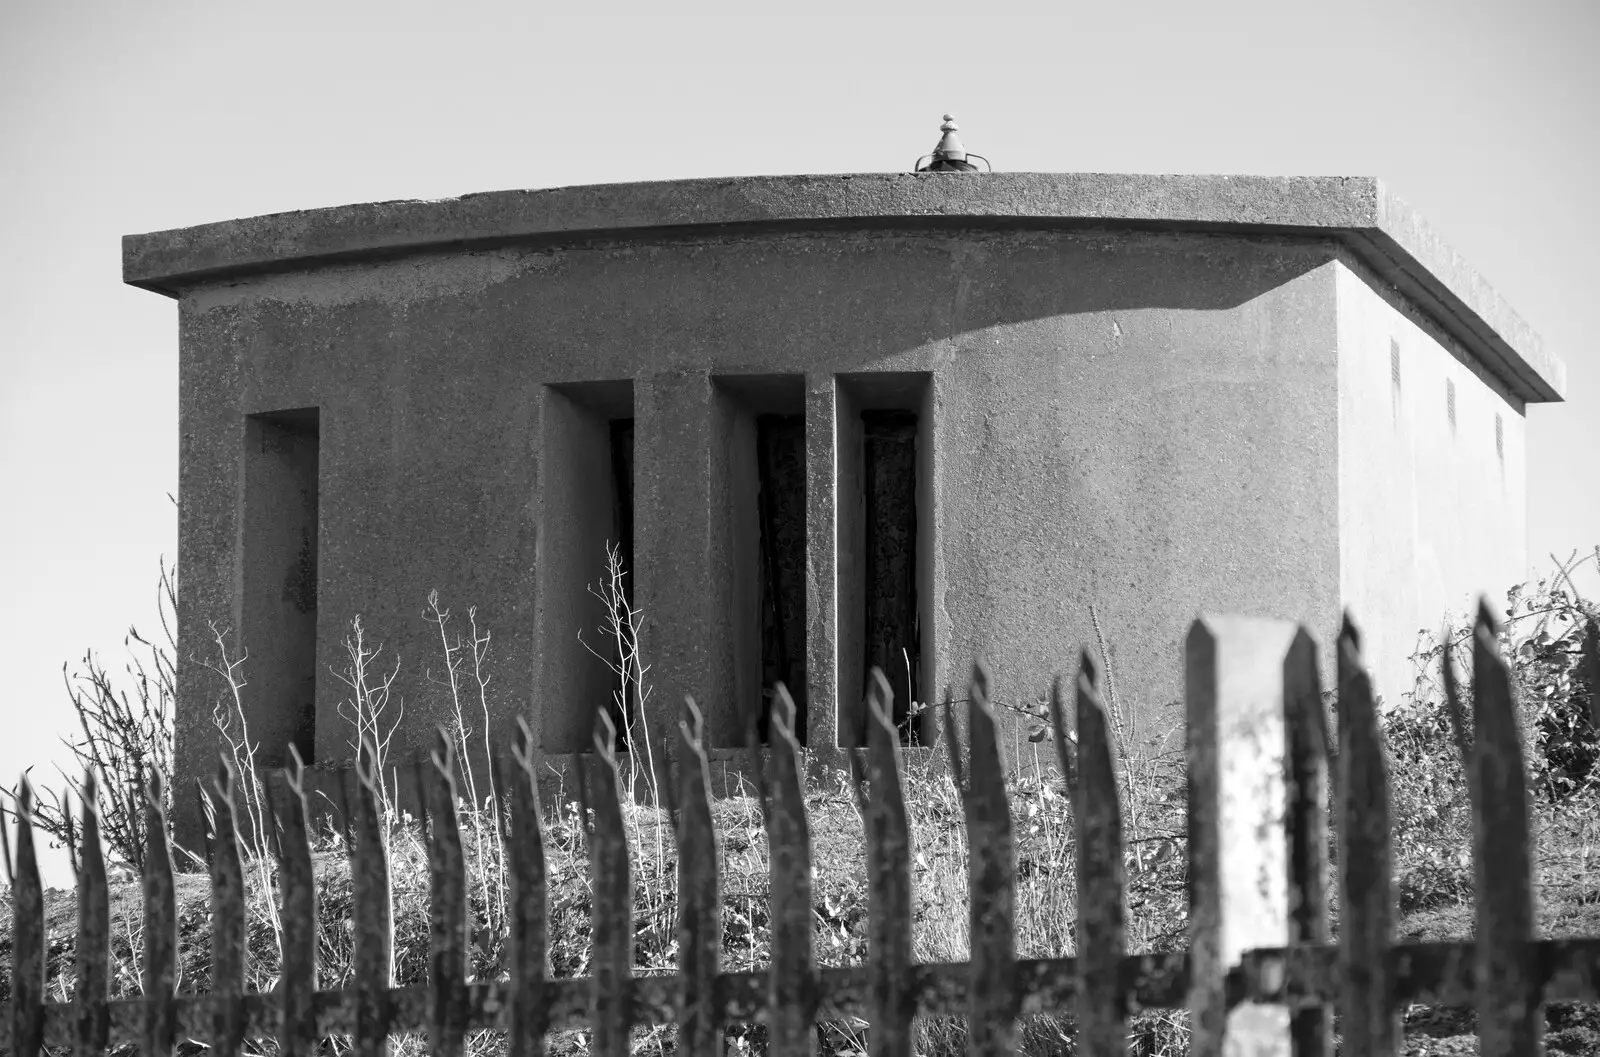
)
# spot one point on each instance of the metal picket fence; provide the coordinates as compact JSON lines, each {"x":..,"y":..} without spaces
{"x":1260,"y":975}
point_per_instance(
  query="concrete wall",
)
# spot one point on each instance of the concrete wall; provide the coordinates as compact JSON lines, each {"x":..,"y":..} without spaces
{"x":1143,"y":423}
{"x":1431,"y":514}
{"x":1153,"y":437}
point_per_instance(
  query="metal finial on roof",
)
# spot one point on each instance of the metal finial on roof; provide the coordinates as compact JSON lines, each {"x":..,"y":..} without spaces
{"x":949,"y":155}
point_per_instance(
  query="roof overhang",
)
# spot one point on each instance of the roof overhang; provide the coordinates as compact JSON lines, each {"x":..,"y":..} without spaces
{"x":1378,"y":228}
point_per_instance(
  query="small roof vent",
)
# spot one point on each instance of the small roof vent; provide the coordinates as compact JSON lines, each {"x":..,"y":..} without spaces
{"x":950,"y":155}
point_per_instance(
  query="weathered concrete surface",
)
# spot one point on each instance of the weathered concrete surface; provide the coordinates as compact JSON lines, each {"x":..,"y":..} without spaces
{"x":1146,"y":419}
{"x":1431,"y":514}
{"x":1380,"y":228}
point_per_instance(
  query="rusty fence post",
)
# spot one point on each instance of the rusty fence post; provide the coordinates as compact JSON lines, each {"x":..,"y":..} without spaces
{"x":297,"y":883}
{"x":1238,"y":847}
{"x":1102,"y":880}
{"x":699,"y":894}
{"x":91,"y":990}
{"x":1510,"y":1013}
{"x":1367,"y":905}
{"x":611,"y":1002}
{"x":992,"y":997}
{"x":160,"y":1034}
{"x":372,"y":911}
{"x":530,"y":928}
{"x":792,"y":981}
{"x":229,"y":928}
{"x":28,"y":943}
{"x":889,"y":962}
{"x":449,"y":920}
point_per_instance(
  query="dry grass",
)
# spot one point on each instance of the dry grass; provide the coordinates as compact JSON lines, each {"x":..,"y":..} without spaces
{"x":1432,"y":830}
{"x":1046,"y":909}
{"x":1046,"y":905}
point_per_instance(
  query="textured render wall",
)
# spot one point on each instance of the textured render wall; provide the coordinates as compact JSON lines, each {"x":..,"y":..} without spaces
{"x":1143,"y":426}
{"x":429,"y":444}
{"x":211,"y":431}
{"x":1430,"y":516}
{"x":1137,"y":421}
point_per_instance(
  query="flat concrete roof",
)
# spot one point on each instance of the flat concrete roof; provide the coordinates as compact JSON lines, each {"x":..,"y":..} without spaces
{"x":1380,"y":229}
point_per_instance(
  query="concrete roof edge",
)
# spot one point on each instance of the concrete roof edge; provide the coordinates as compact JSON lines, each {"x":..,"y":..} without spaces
{"x":1358,"y":210}
{"x":1464,"y":301}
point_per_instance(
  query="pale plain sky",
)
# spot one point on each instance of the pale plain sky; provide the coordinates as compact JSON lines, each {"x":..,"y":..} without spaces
{"x":121,"y":118}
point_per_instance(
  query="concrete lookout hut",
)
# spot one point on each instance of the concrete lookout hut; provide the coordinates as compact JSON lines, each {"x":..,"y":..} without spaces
{"x":826,"y":421}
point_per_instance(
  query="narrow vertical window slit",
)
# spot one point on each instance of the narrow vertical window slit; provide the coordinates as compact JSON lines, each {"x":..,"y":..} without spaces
{"x":280,"y":579}
{"x":893,"y":635}
{"x":781,"y":498}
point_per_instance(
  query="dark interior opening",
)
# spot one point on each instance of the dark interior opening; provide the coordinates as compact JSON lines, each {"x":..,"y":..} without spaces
{"x":759,"y":542}
{"x":622,"y":495}
{"x":279,"y":570}
{"x":781,"y":498}
{"x":586,"y":505}
{"x":892,"y":631}
{"x":622,"y":527}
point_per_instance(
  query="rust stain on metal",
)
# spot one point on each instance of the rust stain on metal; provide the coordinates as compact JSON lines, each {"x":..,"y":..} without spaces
{"x":92,"y":984}
{"x":372,"y":908}
{"x":447,"y":907}
{"x":1301,"y":977}
{"x":529,"y":940}
{"x":1102,"y":935}
{"x":1509,"y":1018}
{"x":27,"y":935}
{"x":298,"y":982}
{"x":1366,"y":892}
{"x":991,"y":877}
{"x":888,"y":878}
{"x":699,"y":894}
{"x":612,"y":874}
{"x":160,"y":929}
{"x":791,"y":985}
{"x":228,"y":936}
{"x":1506,"y":972}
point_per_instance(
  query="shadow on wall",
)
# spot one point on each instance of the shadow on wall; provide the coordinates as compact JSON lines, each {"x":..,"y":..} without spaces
{"x":856,"y":304}
{"x":845,"y":301}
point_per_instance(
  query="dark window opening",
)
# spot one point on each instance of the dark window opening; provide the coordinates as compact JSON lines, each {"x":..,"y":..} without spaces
{"x":624,"y":703}
{"x":893,"y":634}
{"x":622,"y":495}
{"x":781,"y":500}
{"x":586,"y":514}
{"x":279,"y":571}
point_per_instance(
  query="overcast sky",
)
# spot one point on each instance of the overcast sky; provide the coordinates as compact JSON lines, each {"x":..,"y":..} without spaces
{"x":118,"y":118}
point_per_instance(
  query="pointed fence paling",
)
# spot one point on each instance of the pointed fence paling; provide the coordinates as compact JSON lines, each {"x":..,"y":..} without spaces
{"x":792,"y":994}
{"x":1260,"y":974}
{"x":1366,"y":889}
{"x":92,"y":954}
{"x":229,"y":950}
{"x":529,"y":1008}
{"x":700,"y":1024}
{"x":297,"y":885}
